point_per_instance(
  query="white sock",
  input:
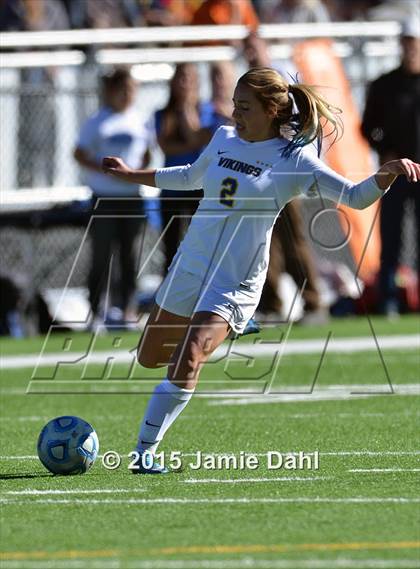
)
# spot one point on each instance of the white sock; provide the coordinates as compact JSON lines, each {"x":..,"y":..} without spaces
{"x":166,"y":403}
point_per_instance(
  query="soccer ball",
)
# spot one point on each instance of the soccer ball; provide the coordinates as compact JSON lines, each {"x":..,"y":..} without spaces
{"x":68,"y":445}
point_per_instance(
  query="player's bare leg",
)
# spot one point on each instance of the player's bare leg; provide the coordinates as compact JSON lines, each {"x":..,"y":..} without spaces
{"x":204,"y":334}
{"x":162,"y":333}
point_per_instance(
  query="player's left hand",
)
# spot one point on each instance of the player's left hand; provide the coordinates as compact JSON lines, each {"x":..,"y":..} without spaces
{"x":402,"y":167}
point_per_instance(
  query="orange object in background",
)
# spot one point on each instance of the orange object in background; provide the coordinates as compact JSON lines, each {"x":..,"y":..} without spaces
{"x":350,"y":156}
{"x":224,"y":12}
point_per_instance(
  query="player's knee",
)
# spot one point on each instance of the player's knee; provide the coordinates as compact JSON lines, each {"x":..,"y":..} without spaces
{"x":194,"y":355}
{"x":146,"y":359}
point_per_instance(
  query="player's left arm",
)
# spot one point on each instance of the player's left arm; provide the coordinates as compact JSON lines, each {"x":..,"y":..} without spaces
{"x":388,"y":172}
{"x":314,"y":177}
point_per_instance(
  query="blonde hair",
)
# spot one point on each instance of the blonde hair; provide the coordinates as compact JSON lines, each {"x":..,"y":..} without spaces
{"x":314,"y":112}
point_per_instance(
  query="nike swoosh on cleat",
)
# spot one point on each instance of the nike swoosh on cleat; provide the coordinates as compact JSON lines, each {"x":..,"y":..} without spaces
{"x":152,"y":425}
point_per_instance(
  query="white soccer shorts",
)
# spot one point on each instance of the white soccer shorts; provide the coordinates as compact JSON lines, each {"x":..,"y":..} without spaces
{"x":184,"y":294}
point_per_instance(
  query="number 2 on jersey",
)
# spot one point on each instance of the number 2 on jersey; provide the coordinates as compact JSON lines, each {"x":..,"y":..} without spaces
{"x":229,"y":187}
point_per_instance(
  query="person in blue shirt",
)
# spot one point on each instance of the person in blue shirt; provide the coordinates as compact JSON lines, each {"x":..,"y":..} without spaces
{"x":219,"y":108}
{"x":116,"y":127}
{"x":183,"y":129}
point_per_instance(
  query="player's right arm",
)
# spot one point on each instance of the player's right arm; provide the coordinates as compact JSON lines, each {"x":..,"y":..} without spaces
{"x":118,"y":168}
{"x":188,"y":177}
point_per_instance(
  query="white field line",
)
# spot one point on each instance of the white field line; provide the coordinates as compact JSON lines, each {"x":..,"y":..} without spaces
{"x":31,"y":418}
{"x":245,"y":562}
{"x":297,"y":393}
{"x":382,"y":470}
{"x":305,"y":390}
{"x":327,"y":393}
{"x":191,"y":416}
{"x":219,"y":501}
{"x":253,"y":480}
{"x":410,"y":355}
{"x":338,"y":345}
{"x":20,"y":457}
{"x":25,"y":419}
{"x":309,"y":415}
{"x":371,"y":453}
{"x":72,"y":491}
{"x":321,"y":453}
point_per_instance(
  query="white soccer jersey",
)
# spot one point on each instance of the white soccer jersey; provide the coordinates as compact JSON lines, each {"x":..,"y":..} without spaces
{"x":246,"y":185}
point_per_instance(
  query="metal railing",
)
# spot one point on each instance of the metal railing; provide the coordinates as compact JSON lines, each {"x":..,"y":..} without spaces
{"x":98,"y":38}
{"x":199,"y":34}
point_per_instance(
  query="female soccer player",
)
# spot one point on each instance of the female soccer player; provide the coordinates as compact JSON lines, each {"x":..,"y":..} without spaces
{"x":248,"y":173}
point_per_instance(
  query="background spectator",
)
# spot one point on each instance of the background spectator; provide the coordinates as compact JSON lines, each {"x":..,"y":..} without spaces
{"x":117,"y":129}
{"x":220,"y":107}
{"x":37,"y":136}
{"x":223,"y":12}
{"x":11,"y":15}
{"x":169,"y":12}
{"x":112,"y":13}
{"x":182,"y":132}
{"x":294,"y":11}
{"x":391,"y":124}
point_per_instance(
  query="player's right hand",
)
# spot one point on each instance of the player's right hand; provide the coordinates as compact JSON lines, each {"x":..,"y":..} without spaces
{"x":115,"y":166}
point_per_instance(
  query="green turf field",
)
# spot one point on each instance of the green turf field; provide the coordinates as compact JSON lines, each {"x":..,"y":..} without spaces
{"x":359,"y":509}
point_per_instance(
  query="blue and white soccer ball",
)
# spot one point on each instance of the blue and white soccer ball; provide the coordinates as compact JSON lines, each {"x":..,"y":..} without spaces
{"x":68,"y":445}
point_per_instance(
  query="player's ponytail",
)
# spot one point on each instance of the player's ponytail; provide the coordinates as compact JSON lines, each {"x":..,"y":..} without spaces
{"x":314,"y":116}
{"x":302,"y":114}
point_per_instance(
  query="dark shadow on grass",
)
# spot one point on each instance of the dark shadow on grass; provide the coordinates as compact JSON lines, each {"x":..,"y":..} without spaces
{"x":24,"y":476}
{"x":30,"y":475}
